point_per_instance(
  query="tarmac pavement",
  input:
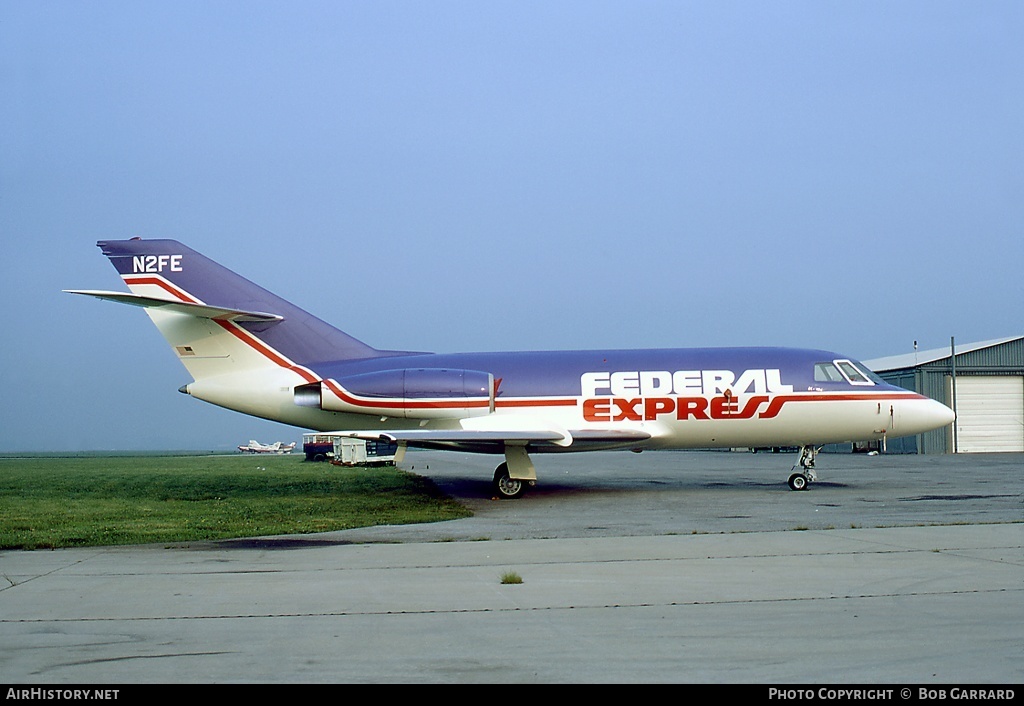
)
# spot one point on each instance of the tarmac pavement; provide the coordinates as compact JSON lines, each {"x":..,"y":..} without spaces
{"x":652,"y":568}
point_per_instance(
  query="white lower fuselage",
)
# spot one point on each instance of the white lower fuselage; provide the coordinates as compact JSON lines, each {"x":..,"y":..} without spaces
{"x":668,"y":421}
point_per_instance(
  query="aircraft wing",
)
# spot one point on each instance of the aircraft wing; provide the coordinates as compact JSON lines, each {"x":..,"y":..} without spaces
{"x":201,"y":310}
{"x":456,"y":436}
{"x":494,"y":440}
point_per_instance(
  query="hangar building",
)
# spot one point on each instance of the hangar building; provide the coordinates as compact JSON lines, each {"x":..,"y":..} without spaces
{"x":983,"y":383}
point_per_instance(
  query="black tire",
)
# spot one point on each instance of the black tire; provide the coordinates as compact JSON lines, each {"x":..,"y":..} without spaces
{"x":505,"y":487}
{"x":798,"y":481}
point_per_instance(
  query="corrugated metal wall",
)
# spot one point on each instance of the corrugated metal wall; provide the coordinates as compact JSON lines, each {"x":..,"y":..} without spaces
{"x":932,"y":380}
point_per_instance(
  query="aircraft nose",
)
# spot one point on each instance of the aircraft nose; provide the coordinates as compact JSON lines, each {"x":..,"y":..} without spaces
{"x":926,"y":414}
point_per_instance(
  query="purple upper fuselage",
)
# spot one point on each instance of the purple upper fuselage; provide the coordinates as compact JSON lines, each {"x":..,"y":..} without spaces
{"x":332,"y":354}
{"x":558,"y":373}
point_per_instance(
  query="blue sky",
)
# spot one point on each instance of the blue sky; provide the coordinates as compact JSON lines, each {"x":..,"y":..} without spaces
{"x":502,"y":176}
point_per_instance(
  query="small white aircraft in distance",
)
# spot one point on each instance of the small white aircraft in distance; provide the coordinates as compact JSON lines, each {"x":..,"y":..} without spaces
{"x":278,"y":447}
{"x":251,"y":351}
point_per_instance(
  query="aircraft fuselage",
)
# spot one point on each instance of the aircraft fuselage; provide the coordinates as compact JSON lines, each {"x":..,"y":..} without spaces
{"x":681,"y":398}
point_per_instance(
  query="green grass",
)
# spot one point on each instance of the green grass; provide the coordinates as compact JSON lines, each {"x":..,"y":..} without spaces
{"x":49,"y":502}
{"x":511,"y":578}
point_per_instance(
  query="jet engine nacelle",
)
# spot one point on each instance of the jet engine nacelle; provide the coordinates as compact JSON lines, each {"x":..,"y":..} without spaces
{"x":413,"y":393}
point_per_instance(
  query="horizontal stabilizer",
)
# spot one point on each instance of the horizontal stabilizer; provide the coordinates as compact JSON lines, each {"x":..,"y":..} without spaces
{"x":202,"y":311}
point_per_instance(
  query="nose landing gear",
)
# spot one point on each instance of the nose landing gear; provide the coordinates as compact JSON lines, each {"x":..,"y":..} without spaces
{"x":800,"y":480}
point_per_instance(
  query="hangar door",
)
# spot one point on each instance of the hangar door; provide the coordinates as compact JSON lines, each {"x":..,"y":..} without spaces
{"x":990,"y":413}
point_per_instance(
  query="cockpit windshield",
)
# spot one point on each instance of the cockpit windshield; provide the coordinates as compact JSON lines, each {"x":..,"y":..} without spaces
{"x":844,"y":371}
{"x":827,"y":372}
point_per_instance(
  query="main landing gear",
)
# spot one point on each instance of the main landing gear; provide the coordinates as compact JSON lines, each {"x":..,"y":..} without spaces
{"x":801,"y":479}
{"x":512,"y":478}
{"x":506,"y":487}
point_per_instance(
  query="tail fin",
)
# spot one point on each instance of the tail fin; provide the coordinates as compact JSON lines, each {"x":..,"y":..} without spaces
{"x":216,"y":320}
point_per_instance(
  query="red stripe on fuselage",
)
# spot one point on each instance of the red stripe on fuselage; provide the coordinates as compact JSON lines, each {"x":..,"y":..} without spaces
{"x":229,"y":326}
{"x":723,"y":407}
{"x":776,"y":403}
{"x":262,"y":348}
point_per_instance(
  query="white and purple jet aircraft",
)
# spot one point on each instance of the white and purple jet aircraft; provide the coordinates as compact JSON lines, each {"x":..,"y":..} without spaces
{"x":251,"y":351}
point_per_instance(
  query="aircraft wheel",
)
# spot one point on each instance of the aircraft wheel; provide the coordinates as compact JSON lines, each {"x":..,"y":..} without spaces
{"x":798,"y":481}
{"x":505,"y":487}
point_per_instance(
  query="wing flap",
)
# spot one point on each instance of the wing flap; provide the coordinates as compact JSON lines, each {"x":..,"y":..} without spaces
{"x":202,"y":311}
